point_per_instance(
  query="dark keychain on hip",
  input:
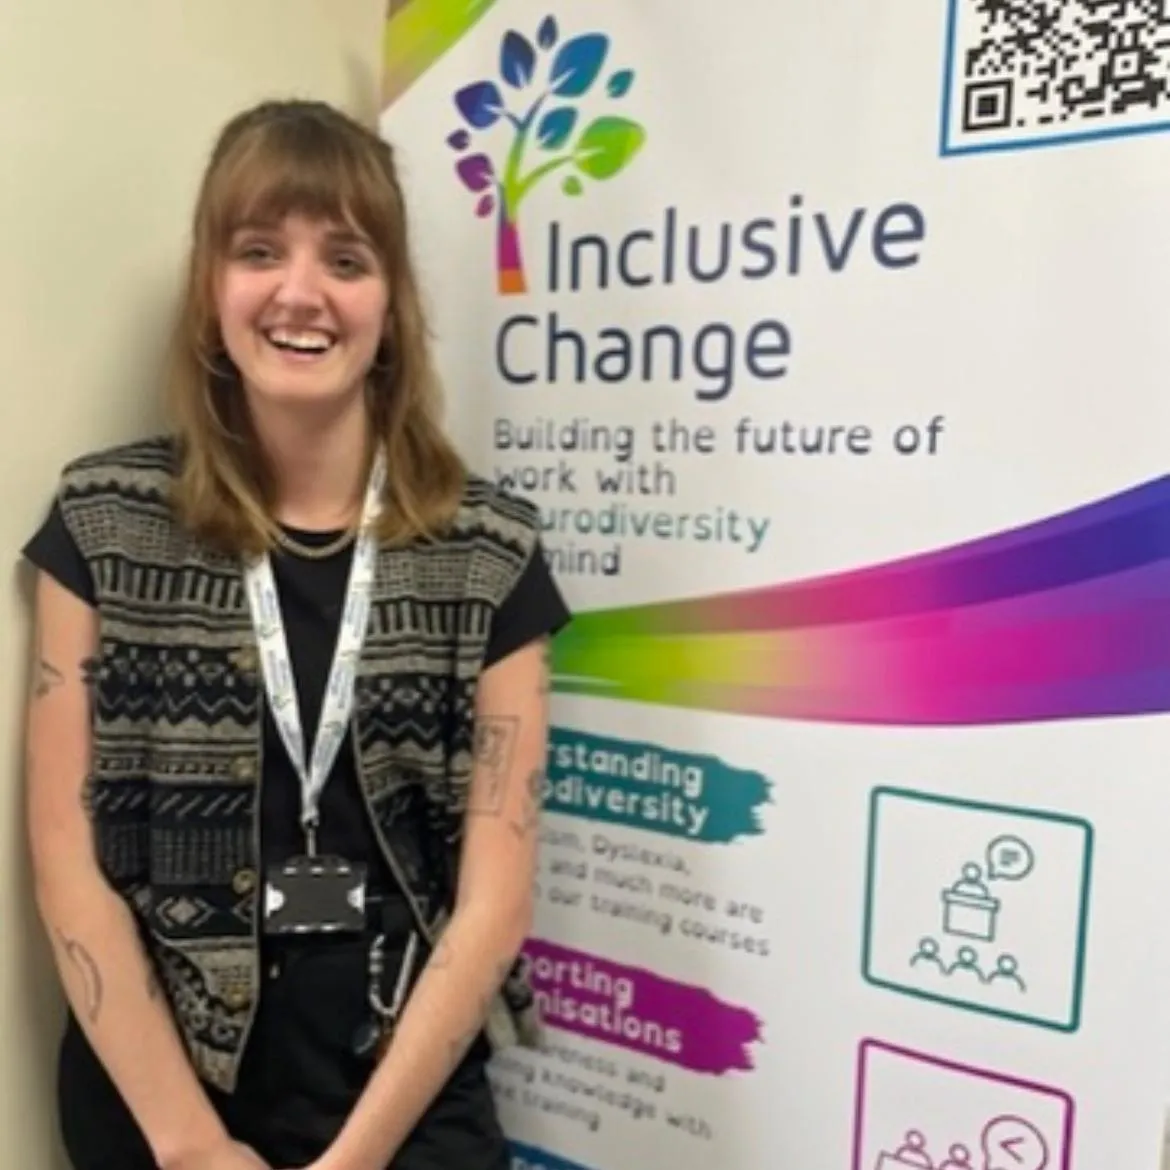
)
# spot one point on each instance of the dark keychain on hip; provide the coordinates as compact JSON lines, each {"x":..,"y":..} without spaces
{"x":373,"y":1035}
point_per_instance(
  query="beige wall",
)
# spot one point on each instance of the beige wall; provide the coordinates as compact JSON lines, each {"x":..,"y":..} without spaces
{"x":107,"y":110}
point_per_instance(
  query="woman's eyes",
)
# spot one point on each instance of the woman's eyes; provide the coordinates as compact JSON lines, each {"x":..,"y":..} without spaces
{"x":254,"y":253}
{"x":350,"y":264}
{"x":347,"y":264}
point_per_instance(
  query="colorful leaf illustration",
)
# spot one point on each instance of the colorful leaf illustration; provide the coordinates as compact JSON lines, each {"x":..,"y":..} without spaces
{"x":607,"y":145}
{"x":517,"y":60}
{"x":604,"y":148}
{"x":480,"y":103}
{"x":546,"y":35}
{"x":620,"y":82}
{"x":556,"y":126}
{"x":476,"y":172}
{"x":577,"y":64}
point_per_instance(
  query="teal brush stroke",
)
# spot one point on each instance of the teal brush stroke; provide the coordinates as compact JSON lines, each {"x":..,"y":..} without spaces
{"x":726,"y":807}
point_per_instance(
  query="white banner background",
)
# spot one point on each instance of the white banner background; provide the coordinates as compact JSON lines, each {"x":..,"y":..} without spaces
{"x":862,"y":870}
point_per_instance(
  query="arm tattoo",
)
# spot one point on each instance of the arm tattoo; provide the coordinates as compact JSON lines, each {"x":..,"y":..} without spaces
{"x":492,"y":747}
{"x":47,"y":677}
{"x":495,"y":736}
{"x":87,"y":969}
{"x":533,"y":799}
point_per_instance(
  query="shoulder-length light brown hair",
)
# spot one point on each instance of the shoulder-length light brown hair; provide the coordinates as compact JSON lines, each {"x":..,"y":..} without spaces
{"x":309,"y":158}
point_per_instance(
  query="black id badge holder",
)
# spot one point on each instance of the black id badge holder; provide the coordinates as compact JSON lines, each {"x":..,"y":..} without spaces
{"x":315,"y":895}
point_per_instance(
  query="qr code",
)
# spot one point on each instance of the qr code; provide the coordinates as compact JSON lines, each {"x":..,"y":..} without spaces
{"x":1030,"y":72}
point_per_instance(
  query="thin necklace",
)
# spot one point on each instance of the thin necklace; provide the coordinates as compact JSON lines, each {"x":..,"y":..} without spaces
{"x":315,"y":552}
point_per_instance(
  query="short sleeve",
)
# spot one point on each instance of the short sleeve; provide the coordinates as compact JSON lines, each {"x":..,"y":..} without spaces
{"x":533,"y":609}
{"x":53,"y":549}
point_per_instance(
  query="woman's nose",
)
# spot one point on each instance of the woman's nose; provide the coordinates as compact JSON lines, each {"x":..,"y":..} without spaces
{"x":301,"y":282}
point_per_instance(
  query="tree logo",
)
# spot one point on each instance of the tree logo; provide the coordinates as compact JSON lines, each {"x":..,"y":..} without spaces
{"x":599,"y":150}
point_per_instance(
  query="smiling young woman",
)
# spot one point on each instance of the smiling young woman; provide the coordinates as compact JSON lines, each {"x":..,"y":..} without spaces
{"x":288,"y":726}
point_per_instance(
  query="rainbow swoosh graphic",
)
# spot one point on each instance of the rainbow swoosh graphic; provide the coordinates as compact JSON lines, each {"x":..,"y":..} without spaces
{"x":1065,"y":618}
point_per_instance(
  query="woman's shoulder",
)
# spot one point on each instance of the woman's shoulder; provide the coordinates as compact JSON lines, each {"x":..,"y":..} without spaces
{"x":138,"y":466}
{"x":488,"y":506}
{"x":499,"y":531}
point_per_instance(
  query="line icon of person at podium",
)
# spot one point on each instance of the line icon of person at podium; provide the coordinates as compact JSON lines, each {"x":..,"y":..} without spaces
{"x":971,"y":912}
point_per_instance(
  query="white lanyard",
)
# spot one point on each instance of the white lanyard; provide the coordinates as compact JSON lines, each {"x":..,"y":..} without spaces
{"x":279,"y":684}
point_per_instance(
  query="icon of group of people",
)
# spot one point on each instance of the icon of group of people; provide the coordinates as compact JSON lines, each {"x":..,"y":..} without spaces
{"x":913,"y":1155}
{"x":966,"y":963}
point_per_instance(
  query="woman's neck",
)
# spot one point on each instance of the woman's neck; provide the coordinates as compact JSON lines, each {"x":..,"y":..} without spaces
{"x":319,"y":463}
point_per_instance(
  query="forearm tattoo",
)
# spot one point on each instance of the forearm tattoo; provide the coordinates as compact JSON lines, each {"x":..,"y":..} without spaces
{"x":493,"y":746}
{"x":529,"y":817}
{"x":46,"y":677}
{"x":88,"y":973}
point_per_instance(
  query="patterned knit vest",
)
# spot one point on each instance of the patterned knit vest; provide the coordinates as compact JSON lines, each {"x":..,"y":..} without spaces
{"x":177,"y":732}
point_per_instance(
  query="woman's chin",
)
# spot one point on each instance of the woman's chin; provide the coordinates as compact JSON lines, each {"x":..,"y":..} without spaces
{"x":303,"y":394}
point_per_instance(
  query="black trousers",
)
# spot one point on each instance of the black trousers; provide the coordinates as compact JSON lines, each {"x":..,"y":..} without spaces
{"x":299,"y":1079}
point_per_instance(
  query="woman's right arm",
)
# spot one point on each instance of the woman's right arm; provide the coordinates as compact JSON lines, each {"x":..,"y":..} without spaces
{"x":104,"y":968}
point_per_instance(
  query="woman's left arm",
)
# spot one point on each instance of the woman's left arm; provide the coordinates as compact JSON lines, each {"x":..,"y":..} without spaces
{"x":489,"y":923}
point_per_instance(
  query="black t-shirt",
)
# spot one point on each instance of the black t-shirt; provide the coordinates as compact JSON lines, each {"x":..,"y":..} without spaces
{"x":312,"y":594}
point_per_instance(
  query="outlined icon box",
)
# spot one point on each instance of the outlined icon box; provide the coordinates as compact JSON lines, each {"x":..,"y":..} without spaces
{"x":983,"y":907}
{"x":918,"y":1111}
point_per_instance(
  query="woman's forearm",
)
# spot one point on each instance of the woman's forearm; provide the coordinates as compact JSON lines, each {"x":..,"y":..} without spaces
{"x":110,"y":984}
{"x":444,"y":1014}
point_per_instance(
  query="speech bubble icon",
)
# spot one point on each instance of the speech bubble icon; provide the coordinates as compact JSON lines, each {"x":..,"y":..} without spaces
{"x":1009,"y":858}
{"x":1011,"y":1143}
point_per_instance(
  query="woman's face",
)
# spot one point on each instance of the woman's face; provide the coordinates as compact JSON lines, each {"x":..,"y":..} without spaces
{"x":302,"y":308}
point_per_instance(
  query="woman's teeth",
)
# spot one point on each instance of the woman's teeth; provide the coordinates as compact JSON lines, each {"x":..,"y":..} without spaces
{"x":300,"y":341}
